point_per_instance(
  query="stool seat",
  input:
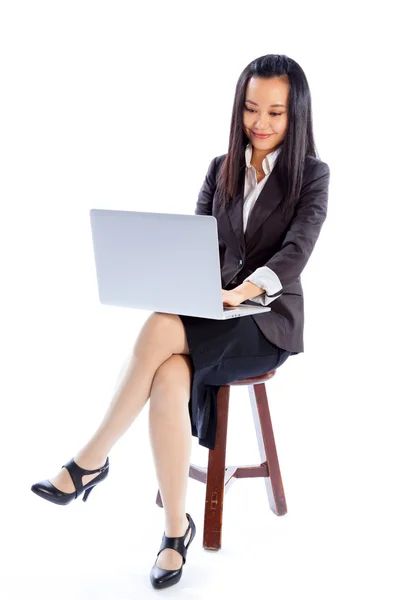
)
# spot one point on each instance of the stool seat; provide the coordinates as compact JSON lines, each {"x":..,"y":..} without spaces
{"x":219,"y":478}
{"x":254,"y":380}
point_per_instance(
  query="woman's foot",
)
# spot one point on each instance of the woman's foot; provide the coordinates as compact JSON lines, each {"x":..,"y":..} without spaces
{"x":171,"y":559}
{"x":62,"y":479}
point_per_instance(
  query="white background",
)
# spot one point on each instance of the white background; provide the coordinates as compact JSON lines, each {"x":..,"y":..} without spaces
{"x":123,"y":105}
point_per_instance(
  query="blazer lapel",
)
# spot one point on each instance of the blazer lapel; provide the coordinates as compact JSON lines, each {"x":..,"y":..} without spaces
{"x":269,"y":198}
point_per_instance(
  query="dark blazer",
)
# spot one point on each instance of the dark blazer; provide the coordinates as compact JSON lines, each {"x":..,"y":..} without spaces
{"x":283,"y":245}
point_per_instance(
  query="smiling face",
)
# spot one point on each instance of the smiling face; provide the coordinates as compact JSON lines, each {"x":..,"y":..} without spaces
{"x":262,"y":116}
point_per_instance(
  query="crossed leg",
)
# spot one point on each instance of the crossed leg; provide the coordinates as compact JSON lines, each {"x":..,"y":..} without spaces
{"x":171,"y":437}
{"x":159,"y":369}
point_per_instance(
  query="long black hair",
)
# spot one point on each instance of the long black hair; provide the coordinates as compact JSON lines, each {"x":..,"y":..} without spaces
{"x":299,"y":139}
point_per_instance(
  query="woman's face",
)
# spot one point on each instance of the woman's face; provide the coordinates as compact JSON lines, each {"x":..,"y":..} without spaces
{"x":260,"y":114}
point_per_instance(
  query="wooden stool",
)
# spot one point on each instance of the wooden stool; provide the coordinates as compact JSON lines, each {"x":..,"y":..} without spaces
{"x":219,"y":478}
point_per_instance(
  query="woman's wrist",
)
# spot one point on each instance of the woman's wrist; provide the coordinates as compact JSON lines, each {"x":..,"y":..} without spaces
{"x":248,"y":290}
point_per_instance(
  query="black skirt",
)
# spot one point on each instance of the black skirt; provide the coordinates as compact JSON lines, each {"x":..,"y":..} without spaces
{"x":222,"y":352}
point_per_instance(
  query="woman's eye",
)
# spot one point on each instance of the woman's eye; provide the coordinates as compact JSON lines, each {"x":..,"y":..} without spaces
{"x":274,"y":113}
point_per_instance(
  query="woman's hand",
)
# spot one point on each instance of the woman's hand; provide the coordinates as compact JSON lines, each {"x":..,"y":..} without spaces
{"x":244,"y":291}
{"x":232,"y":297}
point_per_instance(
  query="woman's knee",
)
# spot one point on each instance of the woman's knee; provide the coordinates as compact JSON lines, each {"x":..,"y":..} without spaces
{"x":172,"y":380}
{"x":165,"y":329}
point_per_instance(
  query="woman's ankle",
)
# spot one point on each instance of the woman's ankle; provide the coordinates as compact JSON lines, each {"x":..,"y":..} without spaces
{"x":176,"y":528}
{"x":89,"y":460}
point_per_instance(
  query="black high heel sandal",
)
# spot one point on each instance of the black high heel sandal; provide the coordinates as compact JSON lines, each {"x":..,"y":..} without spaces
{"x":161,"y":578}
{"x":45,"y":489}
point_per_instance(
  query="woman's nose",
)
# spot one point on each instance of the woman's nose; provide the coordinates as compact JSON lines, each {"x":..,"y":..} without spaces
{"x":262,"y":123}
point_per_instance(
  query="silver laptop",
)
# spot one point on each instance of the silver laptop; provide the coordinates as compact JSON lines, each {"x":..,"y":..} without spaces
{"x":161,"y":262}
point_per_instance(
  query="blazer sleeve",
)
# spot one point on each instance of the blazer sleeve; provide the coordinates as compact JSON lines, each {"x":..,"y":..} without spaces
{"x":304,"y":228}
{"x":205,"y":201}
{"x":205,"y":197}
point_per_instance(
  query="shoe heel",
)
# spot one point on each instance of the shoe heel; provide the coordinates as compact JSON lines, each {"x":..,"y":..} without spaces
{"x":87,"y":492}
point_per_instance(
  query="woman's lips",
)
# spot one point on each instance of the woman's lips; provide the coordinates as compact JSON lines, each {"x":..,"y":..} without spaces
{"x":262,"y":137}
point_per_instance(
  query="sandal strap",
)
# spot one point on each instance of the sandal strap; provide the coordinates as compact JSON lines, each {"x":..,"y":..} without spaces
{"x":76,"y":473}
{"x":177,"y":543}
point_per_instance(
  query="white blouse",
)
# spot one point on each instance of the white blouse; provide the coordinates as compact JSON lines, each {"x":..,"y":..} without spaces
{"x":263,"y":277}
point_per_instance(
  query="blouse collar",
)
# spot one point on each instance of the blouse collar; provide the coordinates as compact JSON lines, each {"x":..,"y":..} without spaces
{"x":268,"y":162}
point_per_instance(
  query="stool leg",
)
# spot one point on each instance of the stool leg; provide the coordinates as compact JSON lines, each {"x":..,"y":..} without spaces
{"x":267,"y":448}
{"x":215,"y":483}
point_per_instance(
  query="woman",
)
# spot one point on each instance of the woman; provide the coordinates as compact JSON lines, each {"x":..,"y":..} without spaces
{"x":269,"y":195}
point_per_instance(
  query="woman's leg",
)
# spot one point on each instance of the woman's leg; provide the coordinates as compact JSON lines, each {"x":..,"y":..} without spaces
{"x":171,"y":436}
{"x":161,"y":336}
